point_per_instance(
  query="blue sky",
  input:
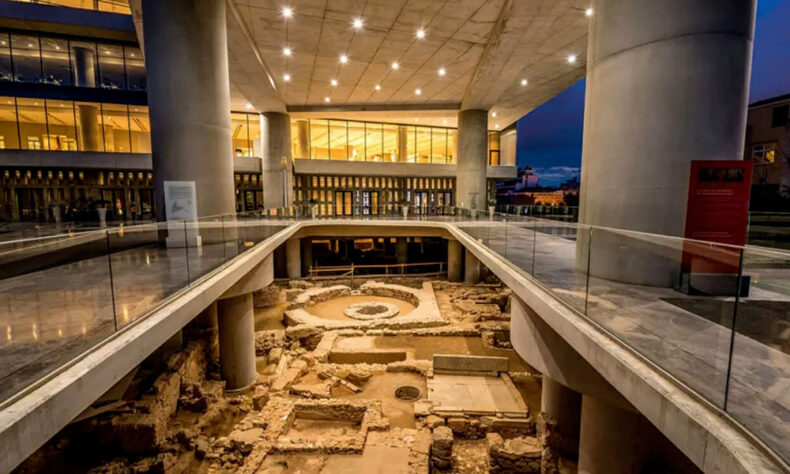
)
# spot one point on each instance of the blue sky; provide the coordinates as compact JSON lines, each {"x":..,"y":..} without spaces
{"x":550,"y":137}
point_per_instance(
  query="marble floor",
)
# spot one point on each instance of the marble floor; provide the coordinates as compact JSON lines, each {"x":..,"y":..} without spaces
{"x":692,"y":348}
{"x":48,"y":317}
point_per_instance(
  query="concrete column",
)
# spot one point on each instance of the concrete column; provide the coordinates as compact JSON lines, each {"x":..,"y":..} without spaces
{"x":565,"y":406}
{"x":207,"y":319}
{"x":403,"y":140}
{"x":307,"y":255}
{"x":85,"y":76}
{"x":454,"y":260}
{"x":302,"y":148}
{"x":186,"y":60}
{"x":472,"y":150}
{"x":613,"y":441}
{"x":236,"y":318}
{"x":471,"y":268}
{"x":293,"y":255}
{"x":647,"y":62}
{"x":277,"y":164}
{"x":84,"y":66}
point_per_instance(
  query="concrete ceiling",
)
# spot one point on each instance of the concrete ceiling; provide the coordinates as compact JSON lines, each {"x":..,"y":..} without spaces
{"x":486,"y":47}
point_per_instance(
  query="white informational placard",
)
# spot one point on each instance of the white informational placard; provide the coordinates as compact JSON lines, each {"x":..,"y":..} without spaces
{"x":180,"y":206}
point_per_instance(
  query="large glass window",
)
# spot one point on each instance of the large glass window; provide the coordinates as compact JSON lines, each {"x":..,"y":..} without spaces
{"x":338,"y":140}
{"x":319,"y":139}
{"x":61,"y":127}
{"x":27,"y":58}
{"x":6,"y":68}
{"x":113,"y":6}
{"x":115,"y":120}
{"x":55,"y":60}
{"x":438,"y":145}
{"x":493,"y":148}
{"x":240,"y":131}
{"x":32,"y":123}
{"x":390,"y":142}
{"x":356,"y":141}
{"x":111,"y":67}
{"x":452,"y":145}
{"x":423,"y":145}
{"x":140,"y":129}
{"x":9,"y":127}
{"x":135,"y":69}
{"x":373,"y":141}
{"x":254,"y":124}
{"x":411,"y":144}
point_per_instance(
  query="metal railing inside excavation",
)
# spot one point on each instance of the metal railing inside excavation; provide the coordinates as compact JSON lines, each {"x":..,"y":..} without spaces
{"x":384,"y":270}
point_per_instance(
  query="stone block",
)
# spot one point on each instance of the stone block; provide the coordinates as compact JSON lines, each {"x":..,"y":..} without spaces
{"x":515,"y":455}
{"x":442,"y":448}
{"x":466,"y":363}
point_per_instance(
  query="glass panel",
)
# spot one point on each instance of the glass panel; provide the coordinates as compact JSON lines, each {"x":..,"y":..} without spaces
{"x":135,"y":69}
{"x":423,"y":145}
{"x":438,"y":145}
{"x":390,"y":143}
{"x":411,"y":145}
{"x":452,"y":145}
{"x":300,"y":138}
{"x":55,"y":58}
{"x":356,"y":141}
{"x":115,"y":118}
{"x":62,"y":131}
{"x":373,"y":142}
{"x":319,"y":139}
{"x":32,"y":123}
{"x":254,"y":123}
{"x":89,"y":132}
{"x":6,"y":70}
{"x":338,"y":140}
{"x":9,"y":127}
{"x":112,"y":74}
{"x":140,"y":129}
{"x":114,"y":6}
{"x":240,"y":132}
{"x":27,"y":58}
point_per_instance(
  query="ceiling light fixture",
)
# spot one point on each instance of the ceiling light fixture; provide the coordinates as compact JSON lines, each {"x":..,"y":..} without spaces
{"x":249,"y":106}
{"x":589,"y":12}
{"x":421,"y":33}
{"x":418,"y":91}
{"x":395,"y":66}
{"x":326,"y":99}
{"x":287,"y":51}
{"x":358,"y":23}
{"x":343,"y":58}
{"x":416,"y":119}
{"x":442,"y":71}
{"x":288,"y":12}
{"x":571,"y":58}
{"x":287,"y":77}
{"x":333,"y":82}
{"x":493,"y":114}
{"x":496,"y":126}
{"x":378,"y":87}
{"x":444,"y":122}
{"x":523,"y":82}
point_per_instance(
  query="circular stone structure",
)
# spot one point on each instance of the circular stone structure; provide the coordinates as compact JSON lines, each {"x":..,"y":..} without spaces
{"x":407,"y":393}
{"x":367,"y":311}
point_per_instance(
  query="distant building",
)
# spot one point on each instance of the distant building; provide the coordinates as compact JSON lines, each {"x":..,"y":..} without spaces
{"x":768,"y":146}
{"x":525,"y":190}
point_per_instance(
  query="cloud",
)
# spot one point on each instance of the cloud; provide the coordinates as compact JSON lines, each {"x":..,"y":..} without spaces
{"x":556,"y":175}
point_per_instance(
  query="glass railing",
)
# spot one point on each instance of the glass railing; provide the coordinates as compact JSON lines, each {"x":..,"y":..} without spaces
{"x":714,"y":317}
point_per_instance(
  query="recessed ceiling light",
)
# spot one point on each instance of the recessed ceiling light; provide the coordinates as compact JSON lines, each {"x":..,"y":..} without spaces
{"x":326,"y":99}
{"x":378,"y":87}
{"x":131,"y":54}
{"x":444,"y":122}
{"x":288,"y":12}
{"x":588,"y":12}
{"x":287,"y":51}
{"x":418,"y":91}
{"x":420,"y":33}
{"x":395,"y":65}
{"x":358,"y":23}
{"x":523,"y":82}
{"x":442,"y":71}
{"x":287,"y":77}
{"x":343,"y":58}
{"x":333,"y":82}
{"x":493,"y":114}
{"x":249,"y":106}
{"x":571,"y":58}
{"x":496,"y":126}
{"x":416,"y":119}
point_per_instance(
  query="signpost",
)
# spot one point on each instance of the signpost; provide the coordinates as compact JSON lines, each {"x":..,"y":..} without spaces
{"x":181,"y":207}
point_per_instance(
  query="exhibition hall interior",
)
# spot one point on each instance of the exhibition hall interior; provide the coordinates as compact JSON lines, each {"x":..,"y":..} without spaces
{"x":394,"y":236}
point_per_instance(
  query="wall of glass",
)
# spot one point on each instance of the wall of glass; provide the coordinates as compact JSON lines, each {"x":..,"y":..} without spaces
{"x":61,"y":61}
{"x":246,"y":132}
{"x":112,"y":6}
{"x":63,"y":125}
{"x":322,"y":139}
{"x":343,"y":140}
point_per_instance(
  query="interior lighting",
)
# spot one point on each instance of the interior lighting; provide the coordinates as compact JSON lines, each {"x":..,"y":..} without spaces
{"x":571,"y":58}
{"x":326,"y":99}
{"x":287,"y":77}
{"x":418,"y":91}
{"x":395,"y":65}
{"x":288,"y":12}
{"x":343,"y":58}
{"x":287,"y":51}
{"x":589,"y":12}
{"x":358,"y":23}
{"x":249,"y":106}
{"x":523,"y":82}
{"x":493,"y":114}
{"x":378,"y":87}
{"x":442,"y":71}
{"x":421,"y":33}
{"x":333,"y":82}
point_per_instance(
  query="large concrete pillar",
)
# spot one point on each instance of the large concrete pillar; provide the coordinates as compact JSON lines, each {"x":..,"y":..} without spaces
{"x":307,"y":255}
{"x":186,"y":60}
{"x":667,"y":83}
{"x":472,"y":150}
{"x":236,"y":317}
{"x":277,"y":162}
{"x":293,"y":255}
{"x":454,"y":260}
{"x":208,"y":318}
{"x":565,"y":407}
{"x":85,"y":76}
{"x":471,"y":268}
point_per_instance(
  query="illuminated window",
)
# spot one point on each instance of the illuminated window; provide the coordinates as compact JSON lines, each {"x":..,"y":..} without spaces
{"x":9,"y":126}
{"x":373,"y":137}
{"x":438,"y":145}
{"x":764,"y":154}
{"x":356,"y":141}
{"x":338,"y":140}
{"x":390,"y":143}
{"x":27,"y":58}
{"x":62,"y":129}
{"x":319,"y":139}
{"x":55,"y":59}
{"x":111,"y":67}
{"x":140,"y":129}
{"x":423,"y":145}
{"x":240,"y":131}
{"x":115,"y":118}
{"x":32,"y":123}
